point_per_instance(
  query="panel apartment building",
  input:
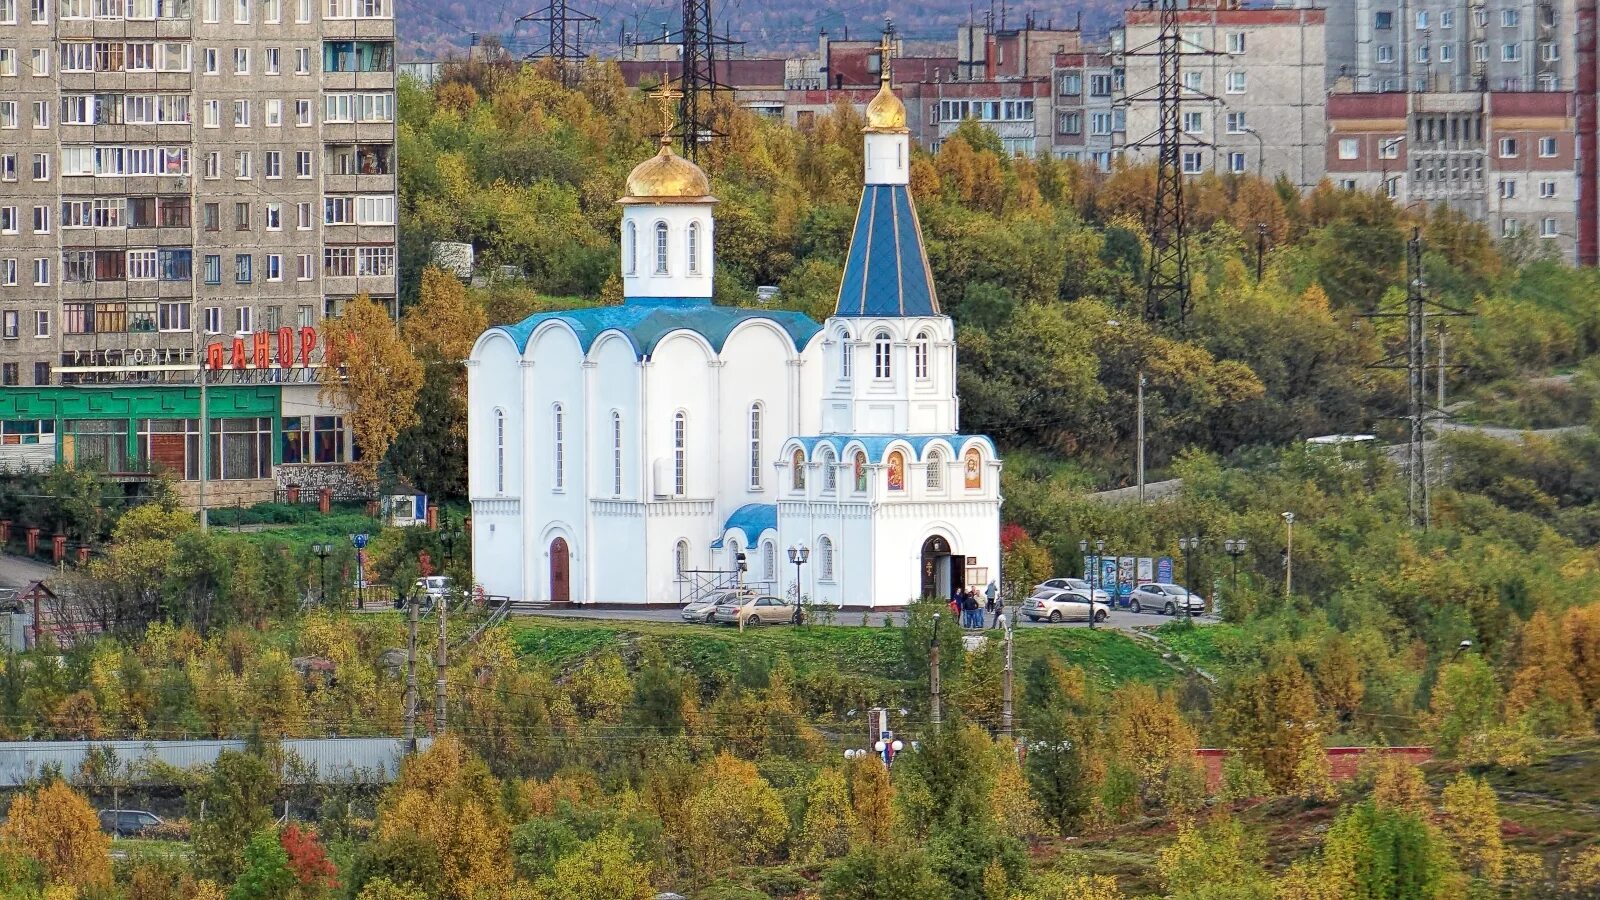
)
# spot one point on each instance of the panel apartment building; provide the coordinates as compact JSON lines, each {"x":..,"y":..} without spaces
{"x":188,"y":184}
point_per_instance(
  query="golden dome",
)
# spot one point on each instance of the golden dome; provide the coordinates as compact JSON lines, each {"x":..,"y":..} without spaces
{"x":667,"y":178}
{"x":886,"y":112}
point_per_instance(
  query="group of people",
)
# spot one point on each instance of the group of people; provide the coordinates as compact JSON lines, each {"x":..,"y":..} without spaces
{"x":971,"y":606}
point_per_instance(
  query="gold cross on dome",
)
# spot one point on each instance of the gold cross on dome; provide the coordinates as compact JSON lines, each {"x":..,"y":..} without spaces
{"x":885,"y":50}
{"x":667,"y":96}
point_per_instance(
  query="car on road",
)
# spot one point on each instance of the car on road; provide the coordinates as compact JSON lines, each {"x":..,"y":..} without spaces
{"x":1062,"y":606}
{"x":755,"y":610}
{"x":1165,"y":598}
{"x":1073,"y":584}
{"x":704,"y":608}
{"x":128,"y":822}
{"x":434,"y":587}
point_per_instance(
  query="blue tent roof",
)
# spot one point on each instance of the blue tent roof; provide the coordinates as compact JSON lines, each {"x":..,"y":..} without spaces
{"x":877,"y":445}
{"x":752,"y":519}
{"x":645,"y":321}
{"x":886,"y":273}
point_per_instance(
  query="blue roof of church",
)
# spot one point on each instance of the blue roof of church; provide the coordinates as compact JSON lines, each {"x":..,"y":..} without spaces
{"x":877,"y":444}
{"x":645,"y":321}
{"x":752,"y":519}
{"x":886,"y":273}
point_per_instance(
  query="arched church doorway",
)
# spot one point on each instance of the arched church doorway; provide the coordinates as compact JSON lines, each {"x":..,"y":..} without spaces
{"x":942,"y":571}
{"x":560,"y":572}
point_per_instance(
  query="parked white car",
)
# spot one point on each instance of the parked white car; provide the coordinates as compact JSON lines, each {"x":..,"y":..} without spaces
{"x":1166,"y":598}
{"x":1073,"y":584}
{"x":1062,"y":606}
{"x":434,"y":587}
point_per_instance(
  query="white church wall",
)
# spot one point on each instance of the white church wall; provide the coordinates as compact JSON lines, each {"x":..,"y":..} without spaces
{"x":616,"y":524}
{"x":755,"y":369}
{"x":645,"y":276}
{"x":494,"y":468}
{"x":887,"y":159}
{"x":556,"y":471}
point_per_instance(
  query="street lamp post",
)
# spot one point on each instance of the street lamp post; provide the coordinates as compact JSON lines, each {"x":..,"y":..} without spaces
{"x":321,"y":551}
{"x":1234,"y":547}
{"x":798,"y":554}
{"x":1261,"y":152}
{"x":1288,"y":554}
{"x":1093,"y":576}
{"x":1461,"y":648}
{"x":1190,"y":546}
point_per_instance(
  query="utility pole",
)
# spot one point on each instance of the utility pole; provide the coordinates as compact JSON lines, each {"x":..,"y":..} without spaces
{"x":1005,"y":684}
{"x":933,"y":676}
{"x":441,"y":663}
{"x":411,"y":674}
{"x":1140,"y":437}
{"x":1288,"y":555}
{"x":205,"y":438}
{"x":1261,"y":249}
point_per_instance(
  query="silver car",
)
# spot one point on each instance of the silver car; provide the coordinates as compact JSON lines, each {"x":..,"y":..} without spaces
{"x":703,"y":609}
{"x":1060,"y":606}
{"x":1166,"y":598}
{"x":1077,"y":585}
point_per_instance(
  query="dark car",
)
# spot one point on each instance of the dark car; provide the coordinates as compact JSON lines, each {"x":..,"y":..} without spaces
{"x":128,"y":822}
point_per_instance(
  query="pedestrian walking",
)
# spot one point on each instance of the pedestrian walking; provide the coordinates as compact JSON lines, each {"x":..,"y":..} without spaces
{"x":992,"y":590}
{"x":998,"y":607}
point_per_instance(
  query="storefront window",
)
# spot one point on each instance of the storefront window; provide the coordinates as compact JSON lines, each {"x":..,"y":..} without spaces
{"x":241,"y":448}
{"x":101,"y":443}
{"x":171,"y":445}
{"x":294,"y":439}
{"x":329,"y":439}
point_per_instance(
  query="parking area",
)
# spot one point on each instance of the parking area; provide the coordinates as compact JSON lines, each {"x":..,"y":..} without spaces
{"x":1119,"y":619}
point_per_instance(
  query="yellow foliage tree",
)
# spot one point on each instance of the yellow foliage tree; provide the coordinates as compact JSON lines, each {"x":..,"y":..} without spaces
{"x":830,"y":823}
{"x":601,"y":869}
{"x":1397,"y":783}
{"x":1015,"y":810}
{"x":872,"y":798}
{"x":1580,"y":630}
{"x":1058,"y":886}
{"x":56,"y":826}
{"x":370,"y":371}
{"x":1148,"y":733}
{"x":735,"y":819}
{"x":443,"y":325}
{"x":446,"y":798}
{"x":1471,"y":822}
{"x":1544,"y":693}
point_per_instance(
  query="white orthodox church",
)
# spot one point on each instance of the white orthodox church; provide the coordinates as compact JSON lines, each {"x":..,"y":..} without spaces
{"x":640,"y":453}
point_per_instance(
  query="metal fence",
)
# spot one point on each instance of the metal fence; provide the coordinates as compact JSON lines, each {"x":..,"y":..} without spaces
{"x":325,"y":760}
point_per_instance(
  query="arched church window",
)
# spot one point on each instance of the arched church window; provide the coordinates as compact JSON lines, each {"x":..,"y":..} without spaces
{"x":682,"y":557}
{"x":845,"y":352}
{"x":558,"y":432}
{"x":936,"y":470}
{"x":799,"y":477}
{"x":694,"y":248}
{"x":755,"y":446}
{"x":769,"y":561}
{"x":680,"y":454}
{"x":661,"y":248}
{"x":830,"y":473}
{"x":499,"y":451}
{"x":824,"y":559}
{"x":630,"y":248}
{"x":921,"y":355}
{"x":897,"y":471}
{"x":733,"y":554}
{"x":880,"y":355}
{"x":616,"y":453}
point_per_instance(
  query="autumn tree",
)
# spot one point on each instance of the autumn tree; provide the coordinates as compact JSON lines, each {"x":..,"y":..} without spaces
{"x":735,"y":819}
{"x":1398,"y":783}
{"x":237,"y":798}
{"x":1273,"y":718}
{"x":1382,"y":854}
{"x":56,"y":826}
{"x":601,"y":869}
{"x":265,"y":874}
{"x":314,"y":872}
{"x":440,"y":329}
{"x":1216,"y":859}
{"x":1544,"y":693}
{"x":1471,"y":824}
{"x":872,"y":800}
{"x":1149,"y":735}
{"x":873,"y":872}
{"x":830,"y":823}
{"x":369,"y":371}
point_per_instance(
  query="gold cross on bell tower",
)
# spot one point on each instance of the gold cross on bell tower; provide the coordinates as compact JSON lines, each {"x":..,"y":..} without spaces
{"x":885,"y":50}
{"x":667,"y":97}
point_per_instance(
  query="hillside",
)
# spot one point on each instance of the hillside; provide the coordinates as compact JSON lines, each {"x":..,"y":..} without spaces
{"x":766,"y":26}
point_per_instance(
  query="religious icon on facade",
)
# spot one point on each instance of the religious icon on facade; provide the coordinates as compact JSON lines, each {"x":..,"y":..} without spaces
{"x":973,"y":468}
{"x":861,"y":472}
{"x":897,"y":471}
{"x":799,"y":469}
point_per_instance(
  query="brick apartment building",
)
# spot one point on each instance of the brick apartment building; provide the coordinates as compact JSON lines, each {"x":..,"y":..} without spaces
{"x":188,"y":183}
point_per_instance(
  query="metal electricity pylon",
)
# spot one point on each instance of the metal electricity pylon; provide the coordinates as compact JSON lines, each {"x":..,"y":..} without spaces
{"x":700,"y":47}
{"x":563,"y":43}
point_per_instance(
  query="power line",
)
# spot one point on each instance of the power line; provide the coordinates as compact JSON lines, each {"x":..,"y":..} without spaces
{"x":563,"y":42}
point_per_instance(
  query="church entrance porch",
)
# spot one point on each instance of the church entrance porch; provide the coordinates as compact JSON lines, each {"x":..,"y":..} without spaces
{"x":943,"y":572}
{"x":560,"y":572}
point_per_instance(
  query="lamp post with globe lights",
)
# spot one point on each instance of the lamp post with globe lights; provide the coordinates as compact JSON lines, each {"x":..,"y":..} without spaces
{"x":1235,"y":548}
{"x":798,"y":554}
{"x":1093,"y":577}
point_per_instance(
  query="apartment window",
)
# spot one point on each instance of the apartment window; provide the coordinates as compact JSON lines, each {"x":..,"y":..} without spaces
{"x":1100,"y":123}
{"x":1422,"y":20}
{"x":41,"y":370}
{"x":1100,"y":85}
{"x":8,"y":61}
{"x":1510,"y":18}
{"x":213,"y":167}
{"x":375,"y":261}
{"x":1547,"y":147}
{"x":8,"y":167}
{"x":241,"y":165}
{"x":1385,"y":53}
{"x":1510,"y":52}
{"x":173,"y":316}
{"x":273,"y":164}
{"x":274,"y":216}
{"x":1549,"y":228}
{"x":1383,"y":20}
{"x":8,"y":114}
{"x":271,"y":61}
{"x":1510,"y":228}
{"x":1194,"y":122}
{"x":1480,"y":51}
{"x":1389,"y":149}
{"x":9,"y":220}
{"x":1071,"y":84}
{"x":41,"y":114}
{"x":8,"y":12}
{"x":302,"y":212}
{"x":211,"y":217}
{"x":1549,"y":52}
{"x":1193,"y":80}
{"x":241,"y":216}
{"x":211,"y":271}
{"x":338,"y":211}
{"x":1547,"y":190}
{"x":41,"y":271}
{"x":141,"y":265}
{"x":1071,"y":123}
{"x":1447,"y":18}
{"x":1508,"y":148}
{"x":1236,"y":42}
{"x":274,"y":113}
{"x":1236,"y":82}
{"x":12,"y":328}
{"x":173,"y":212}
{"x":1236,"y":123}
{"x":211,"y":114}
{"x":8,"y":371}
{"x":41,"y":167}
{"x":241,"y":113}
{"x":243,"y":271}
{"x":41,"y":220}
{"x":338,"y":262}
{"x":302,"y":164}
{"x":1349,"y":148}
{"x":1236,"y":163}
{"x":241,"y":12}
{"x":379,"y":210}
{"x":1447,"y":53}
{"x":8,"y":272}
{"x":1193,"y":162}
{"x":245,"y":318}
{"x":208,"y":64}
{"x":213,"y":319}
{"x":1422,"y":53}
{"x":41,"y":327}
{"x":41,"y":62}
{"x":274,"y":267}
{"x":302,"y":113}
{"x":302,"y":267}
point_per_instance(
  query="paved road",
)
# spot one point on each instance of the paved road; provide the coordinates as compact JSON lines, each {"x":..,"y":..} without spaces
{"x":18,"y":572}
{"x":1121,"y":620}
